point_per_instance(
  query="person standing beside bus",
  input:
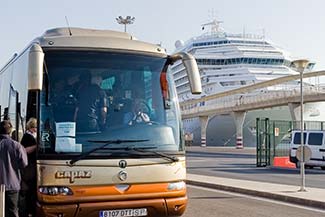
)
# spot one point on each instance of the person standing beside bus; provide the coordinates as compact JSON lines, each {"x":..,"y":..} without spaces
{"x":27,"y":195}
{"x":13,"y":158}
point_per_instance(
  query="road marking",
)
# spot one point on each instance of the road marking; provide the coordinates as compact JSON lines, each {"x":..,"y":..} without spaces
{"x":259,"y":198}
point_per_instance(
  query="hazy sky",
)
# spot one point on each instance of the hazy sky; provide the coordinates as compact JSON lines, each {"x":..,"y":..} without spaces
{"x":295,"y":25}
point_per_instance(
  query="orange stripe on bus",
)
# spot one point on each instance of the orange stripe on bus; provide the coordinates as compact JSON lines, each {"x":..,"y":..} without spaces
{"x":104,"y":193}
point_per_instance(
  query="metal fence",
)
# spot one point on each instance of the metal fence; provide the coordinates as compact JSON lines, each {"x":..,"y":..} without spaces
{"x":262,"y":142}
{"x":274,"y":138}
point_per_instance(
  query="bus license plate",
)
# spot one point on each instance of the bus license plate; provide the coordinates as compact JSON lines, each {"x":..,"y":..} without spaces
{"x":123,"y":212}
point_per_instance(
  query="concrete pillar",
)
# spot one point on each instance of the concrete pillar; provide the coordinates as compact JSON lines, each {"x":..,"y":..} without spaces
{"x":239,"y":118}
{"x":204,"y":120}
{"x":294,"y":112}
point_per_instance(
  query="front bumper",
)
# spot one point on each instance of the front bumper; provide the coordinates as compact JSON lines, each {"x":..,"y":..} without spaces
{"x":156,"y":207}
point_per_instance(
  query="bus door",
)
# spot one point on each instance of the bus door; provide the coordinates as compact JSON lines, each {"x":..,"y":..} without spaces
{"x":13,"y":113}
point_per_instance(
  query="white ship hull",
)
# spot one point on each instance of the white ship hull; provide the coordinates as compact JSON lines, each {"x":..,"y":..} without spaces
{"x":229,"y":61}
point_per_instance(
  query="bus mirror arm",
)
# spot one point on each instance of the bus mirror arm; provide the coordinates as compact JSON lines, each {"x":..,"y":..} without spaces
{"x":35,"y":67}
{"x":191,"y":69}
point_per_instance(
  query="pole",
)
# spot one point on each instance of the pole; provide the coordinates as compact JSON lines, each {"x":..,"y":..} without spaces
{"x":301,"y":65}
{"x":2,"y":200}
{"x":125,"y":21}
{"x":302,"y":164}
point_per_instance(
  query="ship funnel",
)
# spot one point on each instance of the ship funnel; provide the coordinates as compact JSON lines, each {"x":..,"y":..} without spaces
{"x":191,"y":69}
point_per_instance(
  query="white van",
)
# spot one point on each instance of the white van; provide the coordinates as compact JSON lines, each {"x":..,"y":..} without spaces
{"x":315,"y":140}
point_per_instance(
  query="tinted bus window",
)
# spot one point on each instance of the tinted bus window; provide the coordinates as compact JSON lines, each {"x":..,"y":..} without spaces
{"x":82,"y":83}
{"x":297,"y":140}
{"x":315,"y":139}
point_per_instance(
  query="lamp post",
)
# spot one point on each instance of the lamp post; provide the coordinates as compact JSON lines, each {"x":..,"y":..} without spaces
{"x":125,"y":21}
{"x":301,"y":65}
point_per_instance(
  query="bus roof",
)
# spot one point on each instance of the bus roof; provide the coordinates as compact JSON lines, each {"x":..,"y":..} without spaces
{"x":91,"y":38}
{"x":56,"y":32}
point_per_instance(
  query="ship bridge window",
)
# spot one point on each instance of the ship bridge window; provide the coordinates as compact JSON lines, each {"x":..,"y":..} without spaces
{"x":227,"y":83}
{"x":210,"y":43}
{"x":234,"y":83}
{"x":244,"y":60}
{"x":200,"y":44}
{"x":248,"y":42}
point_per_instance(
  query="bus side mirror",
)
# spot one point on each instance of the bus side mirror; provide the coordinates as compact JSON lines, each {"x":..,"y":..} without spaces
{"x":191,"y":69}
{"x":35,"y":67}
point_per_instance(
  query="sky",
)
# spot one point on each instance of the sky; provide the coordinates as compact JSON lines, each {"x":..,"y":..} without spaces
{"x":297,"y":26}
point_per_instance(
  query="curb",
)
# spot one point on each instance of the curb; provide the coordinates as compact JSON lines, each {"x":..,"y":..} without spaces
{"x":283,"y":198}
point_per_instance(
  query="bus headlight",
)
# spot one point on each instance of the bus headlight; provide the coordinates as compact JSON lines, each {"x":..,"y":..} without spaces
{"x":55,"y":190}
{"x":176,"y":186}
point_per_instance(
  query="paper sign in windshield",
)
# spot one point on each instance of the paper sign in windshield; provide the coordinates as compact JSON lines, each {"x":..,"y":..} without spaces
{"x":65,"y":137}
{"x":66,"y":144}
{"x":65,"y":129}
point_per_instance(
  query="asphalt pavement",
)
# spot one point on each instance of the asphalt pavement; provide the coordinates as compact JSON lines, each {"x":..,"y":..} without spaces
{"x":313,"y":196}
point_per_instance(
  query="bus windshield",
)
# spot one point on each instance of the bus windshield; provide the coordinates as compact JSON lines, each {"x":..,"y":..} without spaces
{"x":90,"y":97}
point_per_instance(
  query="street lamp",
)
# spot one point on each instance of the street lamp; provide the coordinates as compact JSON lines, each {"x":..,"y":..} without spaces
{"x":125,"y":21}
{"x":301,"y":65}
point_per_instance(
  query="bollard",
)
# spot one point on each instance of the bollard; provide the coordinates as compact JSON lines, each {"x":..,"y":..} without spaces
{"x":2,"y":200}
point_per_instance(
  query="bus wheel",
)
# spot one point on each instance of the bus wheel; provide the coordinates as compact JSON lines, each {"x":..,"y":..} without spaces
{"x":323,"y":168}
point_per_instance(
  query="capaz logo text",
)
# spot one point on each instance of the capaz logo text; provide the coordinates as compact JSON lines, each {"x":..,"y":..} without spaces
{"x":72,"y":175}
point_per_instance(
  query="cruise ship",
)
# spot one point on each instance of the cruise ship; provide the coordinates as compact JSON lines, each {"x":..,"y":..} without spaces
{"x":227,"y":61}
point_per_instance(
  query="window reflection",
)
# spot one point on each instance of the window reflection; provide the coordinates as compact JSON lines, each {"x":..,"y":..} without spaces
{"x":105,"y":96}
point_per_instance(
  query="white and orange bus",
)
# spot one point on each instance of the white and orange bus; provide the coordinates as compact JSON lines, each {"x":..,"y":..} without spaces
{"x":110,"y":139}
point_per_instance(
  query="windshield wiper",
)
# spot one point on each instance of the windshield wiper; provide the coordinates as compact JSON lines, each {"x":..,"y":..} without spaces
{"x":144,"y":149}
{"x":106,"y":143}
{"x":161,"y":154}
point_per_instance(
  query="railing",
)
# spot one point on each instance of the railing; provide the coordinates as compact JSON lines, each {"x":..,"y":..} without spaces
{"x":2,"y":200}
{"x":253,"y":87}
{"x":256,"y":100}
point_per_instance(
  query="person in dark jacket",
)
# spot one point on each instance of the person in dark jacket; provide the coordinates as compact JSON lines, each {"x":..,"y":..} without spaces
{"x":27,"y":195}
{"x":13,"y":158}
{"x":91,"y":109}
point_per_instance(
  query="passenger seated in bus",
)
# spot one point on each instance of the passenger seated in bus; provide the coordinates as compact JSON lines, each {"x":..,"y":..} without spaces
{"x":138,"y":113}
{"x":91,"y":109}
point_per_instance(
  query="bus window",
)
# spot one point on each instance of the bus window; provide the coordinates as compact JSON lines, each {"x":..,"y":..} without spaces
{"x":125,"y":80}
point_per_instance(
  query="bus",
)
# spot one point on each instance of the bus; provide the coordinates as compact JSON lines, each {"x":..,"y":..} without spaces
{"x":110,"y":139}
